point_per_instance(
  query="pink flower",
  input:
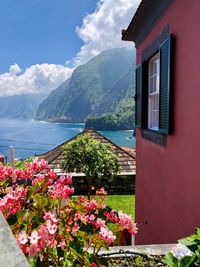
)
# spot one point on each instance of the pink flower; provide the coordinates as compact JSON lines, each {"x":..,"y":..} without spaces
{"x":106,"y":235}
{"x":24,"y":248}
{"x":51,"y":174}
{"x":62,"y":179}
{"x":33,"y":250}
{"x":11,"y":203}
{"x":91,"y":205}
{"x":34,"y":237}
{"x":100,"y":223}
{"x":69,"y":179}
{"x":50,"y":181}
{"x":68,"y":210}
{"x":38,"y":179}
{"x":91,"y":218}
{"x":60,"y":189}
{"x":111,"y":216}
{"x":53,"y":243}
{"x":82,"y":199}
{"x":80,"y":217}
{"x":44,"y":234}
{"x":5,"y":172}
{"x":22,"y":238}
{"x":75,"y":228}
{"x":51,"y":227}
{"x":102,"y":206}
{"x":62,"y":244}
{"x":50,"y":216}
{"x":127,"y":222}
{"x":9,"y":170}
{"x":101,"y":192}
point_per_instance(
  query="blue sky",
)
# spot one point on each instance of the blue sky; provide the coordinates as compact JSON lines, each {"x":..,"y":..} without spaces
{"x":40,"y":31}
{"x":42,"y":41}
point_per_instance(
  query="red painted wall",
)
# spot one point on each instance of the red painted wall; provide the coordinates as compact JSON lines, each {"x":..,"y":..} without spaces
{"x":168,"y":178}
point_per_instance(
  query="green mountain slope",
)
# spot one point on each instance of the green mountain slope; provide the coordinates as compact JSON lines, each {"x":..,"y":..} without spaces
{"x":120,"y":99}
{"x":93,"y":89}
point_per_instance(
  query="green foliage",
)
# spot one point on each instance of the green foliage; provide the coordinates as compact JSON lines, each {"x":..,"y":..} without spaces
{"x":112,"y":121}
{"x":91,"y":157}
{"x":20,"y":164}
{"x":186,"y":261}
{"x":192,"y":243}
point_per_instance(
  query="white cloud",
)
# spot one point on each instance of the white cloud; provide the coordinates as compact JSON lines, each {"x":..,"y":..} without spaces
{"x":101,"y":30}
{"x":40,"y":78}
{"x":14,"y":69}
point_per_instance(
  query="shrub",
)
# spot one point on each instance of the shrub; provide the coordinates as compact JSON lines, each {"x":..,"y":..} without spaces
{"x":91,"y":157}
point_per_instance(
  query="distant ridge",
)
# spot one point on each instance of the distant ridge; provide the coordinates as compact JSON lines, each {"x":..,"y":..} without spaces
{"x":20,"y":106}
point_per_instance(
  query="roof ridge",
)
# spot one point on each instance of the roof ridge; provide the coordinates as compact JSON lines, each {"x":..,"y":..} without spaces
{"x":86,"y":130}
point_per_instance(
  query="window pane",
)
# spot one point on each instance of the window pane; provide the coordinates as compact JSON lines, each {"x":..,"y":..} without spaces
{"x":153,"y":109}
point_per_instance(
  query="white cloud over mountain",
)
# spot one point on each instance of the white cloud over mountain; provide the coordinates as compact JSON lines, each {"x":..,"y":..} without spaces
{"x":101,"y":30}
{"x":39,"y":78}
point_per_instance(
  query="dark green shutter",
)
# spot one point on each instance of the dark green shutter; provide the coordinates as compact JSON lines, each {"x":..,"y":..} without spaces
{"x":165,"y":122}
{"x":144,"y":98}
{"x":138,"y":89}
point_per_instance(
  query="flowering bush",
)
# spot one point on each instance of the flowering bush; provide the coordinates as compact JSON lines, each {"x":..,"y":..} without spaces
{"x":186,"y":253}
{"x":52,"y":226}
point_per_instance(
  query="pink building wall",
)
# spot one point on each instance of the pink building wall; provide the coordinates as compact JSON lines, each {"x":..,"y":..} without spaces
{"x":168,"y":177}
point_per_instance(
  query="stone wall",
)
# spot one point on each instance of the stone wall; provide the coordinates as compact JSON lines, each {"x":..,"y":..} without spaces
{"x":10,"y":253}
{"x":123,"y":184}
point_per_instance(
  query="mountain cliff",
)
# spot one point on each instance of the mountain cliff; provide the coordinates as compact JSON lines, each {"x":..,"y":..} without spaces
{"x":120,"y":100}
{"x":102,"y":85}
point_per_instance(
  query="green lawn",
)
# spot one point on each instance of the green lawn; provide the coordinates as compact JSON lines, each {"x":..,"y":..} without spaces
{"x":125,"y":203}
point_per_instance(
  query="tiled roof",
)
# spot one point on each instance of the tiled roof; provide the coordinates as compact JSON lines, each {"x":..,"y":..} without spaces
{"x":126,"y":156}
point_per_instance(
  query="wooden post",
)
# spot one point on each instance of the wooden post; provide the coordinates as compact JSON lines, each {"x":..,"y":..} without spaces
{"x":12,"y":157}
{"x":2,"y":159}
{"x":12,"y":160}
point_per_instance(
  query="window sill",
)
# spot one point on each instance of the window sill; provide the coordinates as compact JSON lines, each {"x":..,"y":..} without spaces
{"x":154,"y":136}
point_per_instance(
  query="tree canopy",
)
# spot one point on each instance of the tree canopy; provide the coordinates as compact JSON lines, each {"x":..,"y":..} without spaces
{"x":91,"y":157}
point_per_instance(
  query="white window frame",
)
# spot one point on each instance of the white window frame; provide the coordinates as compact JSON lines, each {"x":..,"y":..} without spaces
{"x":153,"y":92}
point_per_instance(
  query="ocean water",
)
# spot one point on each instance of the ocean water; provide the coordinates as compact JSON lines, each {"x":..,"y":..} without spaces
{"x":31,"y":138}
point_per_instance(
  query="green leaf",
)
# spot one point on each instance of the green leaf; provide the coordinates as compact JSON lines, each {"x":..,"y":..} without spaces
{"x":20,"y":215}
{"x":102,"y":262}
{"x":32,"y":261}
{"x":187,"y":241}
{"x":198,"y":231}
{"x":171,"y":261}
{"x":187,"y":261}
{"x":68,"y":263}
{"x":77,"y":255}
{"x":41,"y":201}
